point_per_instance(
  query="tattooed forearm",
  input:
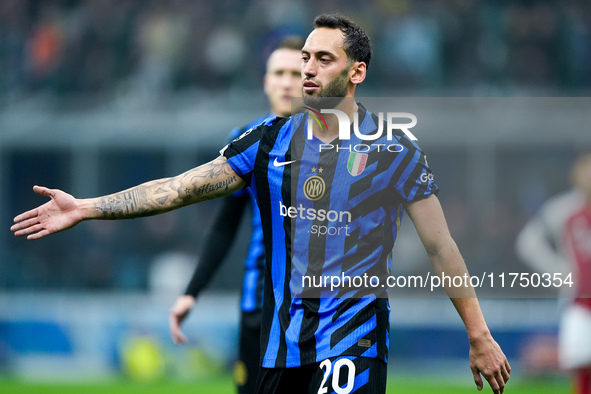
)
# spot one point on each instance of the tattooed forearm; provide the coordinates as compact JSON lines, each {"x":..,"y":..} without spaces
{"x":211,"y":180}
{"x":148,"y":199}
{"x":161,"y":195}
{"x":125,"y":204}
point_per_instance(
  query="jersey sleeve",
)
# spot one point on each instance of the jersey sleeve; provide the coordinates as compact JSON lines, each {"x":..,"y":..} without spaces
{"x":234,"y":134}
{"x":242,"y":151}
{"x":413,"y":179}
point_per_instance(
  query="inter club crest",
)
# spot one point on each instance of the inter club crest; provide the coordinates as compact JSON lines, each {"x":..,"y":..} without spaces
{"x":314,"y":188}
{"x":356,"y":163}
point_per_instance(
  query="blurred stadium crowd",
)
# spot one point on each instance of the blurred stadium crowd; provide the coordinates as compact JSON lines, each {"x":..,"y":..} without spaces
{"x":114,"y":47}
{"x":72,"y":55}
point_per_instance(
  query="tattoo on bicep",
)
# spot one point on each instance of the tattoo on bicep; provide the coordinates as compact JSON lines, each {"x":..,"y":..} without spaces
{"x":210,"y":188}
{"x":218,"y":170}
{"x":214,"y":169}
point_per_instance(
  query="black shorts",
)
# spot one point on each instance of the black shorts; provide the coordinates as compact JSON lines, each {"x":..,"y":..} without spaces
{"x":247,"y":367}
{"x":359,"y":375}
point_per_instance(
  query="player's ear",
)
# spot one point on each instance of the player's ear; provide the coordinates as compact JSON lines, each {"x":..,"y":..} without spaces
{"x":357,"y":72}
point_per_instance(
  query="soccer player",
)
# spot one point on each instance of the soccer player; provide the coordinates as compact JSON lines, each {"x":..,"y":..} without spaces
{"x":329,"y":211}
{"x":575,"y":326}
{"x":541,"y":245}
{"x":282,"y":81}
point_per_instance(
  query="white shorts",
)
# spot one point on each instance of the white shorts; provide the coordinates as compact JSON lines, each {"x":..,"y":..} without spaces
{"x":574,"y":338}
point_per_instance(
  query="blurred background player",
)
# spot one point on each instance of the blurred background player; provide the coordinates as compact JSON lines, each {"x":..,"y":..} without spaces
{"x":575,"y":327}
{"x":539,"y":244}
{"x":550,"y":243}
{"x":282,"y":82}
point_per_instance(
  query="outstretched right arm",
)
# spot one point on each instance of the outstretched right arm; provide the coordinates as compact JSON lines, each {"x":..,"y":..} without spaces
{"x":211,"y":180}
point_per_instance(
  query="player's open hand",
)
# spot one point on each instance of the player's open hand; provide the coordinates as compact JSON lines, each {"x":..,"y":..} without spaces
{"x":487,"y":359}
{"x":58,"y":214}
{"x":178,"y":313}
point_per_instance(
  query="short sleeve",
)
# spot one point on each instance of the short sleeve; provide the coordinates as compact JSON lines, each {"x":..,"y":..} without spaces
{"x":241,"y":152}
{"x":413,"y":179}
{"x":237,"y":134}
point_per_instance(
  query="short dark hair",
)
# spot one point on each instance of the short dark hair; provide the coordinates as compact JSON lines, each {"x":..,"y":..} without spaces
{"x":290,"y":42}
{"x":357,"y":45}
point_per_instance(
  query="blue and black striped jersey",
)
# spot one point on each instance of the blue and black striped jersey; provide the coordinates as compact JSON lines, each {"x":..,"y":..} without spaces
{"x":252,"y":282}
{"x":327,"y":210}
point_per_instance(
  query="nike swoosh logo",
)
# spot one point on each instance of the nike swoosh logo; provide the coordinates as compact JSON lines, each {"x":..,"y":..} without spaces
{"x":278,"y":164}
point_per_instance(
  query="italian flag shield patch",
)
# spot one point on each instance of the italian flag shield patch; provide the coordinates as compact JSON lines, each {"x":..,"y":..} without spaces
{"x":356,"y":163}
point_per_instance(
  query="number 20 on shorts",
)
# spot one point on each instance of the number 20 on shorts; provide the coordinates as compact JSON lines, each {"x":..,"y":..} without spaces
{"x":336,"y":374}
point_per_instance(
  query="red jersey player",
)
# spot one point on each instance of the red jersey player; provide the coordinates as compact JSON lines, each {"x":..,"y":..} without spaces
{"x":575,"y":332}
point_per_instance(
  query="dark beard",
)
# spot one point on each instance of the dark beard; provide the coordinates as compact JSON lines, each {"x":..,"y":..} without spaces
{"x":331,"y":96}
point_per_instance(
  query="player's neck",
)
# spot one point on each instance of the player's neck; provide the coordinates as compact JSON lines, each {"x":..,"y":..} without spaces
{"x":329,"y":133}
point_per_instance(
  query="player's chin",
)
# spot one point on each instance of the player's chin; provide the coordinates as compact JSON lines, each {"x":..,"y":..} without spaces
{"x":286,"y":111}
{"x":311,"y":99}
